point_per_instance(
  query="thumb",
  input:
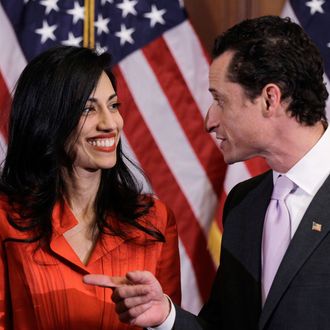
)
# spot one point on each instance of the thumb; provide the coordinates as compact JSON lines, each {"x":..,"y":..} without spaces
{"x":106,"y":281}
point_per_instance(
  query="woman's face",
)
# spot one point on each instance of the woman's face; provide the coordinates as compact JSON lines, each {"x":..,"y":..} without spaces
{"x":94,"y":145}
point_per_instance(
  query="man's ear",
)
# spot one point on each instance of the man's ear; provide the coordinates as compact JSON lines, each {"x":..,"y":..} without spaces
{"x":271,"y":94}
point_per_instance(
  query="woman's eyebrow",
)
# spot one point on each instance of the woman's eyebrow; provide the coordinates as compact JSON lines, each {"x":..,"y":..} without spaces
{"x":93,"y":99}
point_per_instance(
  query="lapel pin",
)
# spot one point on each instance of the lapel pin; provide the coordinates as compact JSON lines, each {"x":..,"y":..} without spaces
{"x":316,"y":226}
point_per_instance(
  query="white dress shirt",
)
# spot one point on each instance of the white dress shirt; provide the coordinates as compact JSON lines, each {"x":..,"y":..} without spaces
{"x":309,"y":173}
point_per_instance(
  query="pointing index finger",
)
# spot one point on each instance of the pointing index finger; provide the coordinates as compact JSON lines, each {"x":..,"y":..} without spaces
{"x":106,"y":281}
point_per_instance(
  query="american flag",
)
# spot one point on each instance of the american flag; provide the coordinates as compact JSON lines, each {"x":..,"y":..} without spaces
{"x":162,"y":82}
{"x":314,"y":17}
{"x":162,"y":73}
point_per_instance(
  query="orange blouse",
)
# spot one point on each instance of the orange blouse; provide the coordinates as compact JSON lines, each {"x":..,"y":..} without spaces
{"x":43,"y":288}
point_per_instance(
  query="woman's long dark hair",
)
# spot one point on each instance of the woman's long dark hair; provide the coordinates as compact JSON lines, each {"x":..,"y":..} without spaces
{"x":50,"y":96}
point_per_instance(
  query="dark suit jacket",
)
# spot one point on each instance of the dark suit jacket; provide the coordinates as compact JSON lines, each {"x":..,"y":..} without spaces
{"x":299,"y":298}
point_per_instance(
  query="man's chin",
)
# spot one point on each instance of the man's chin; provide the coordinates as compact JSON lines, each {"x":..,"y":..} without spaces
{"x":229,"y":159}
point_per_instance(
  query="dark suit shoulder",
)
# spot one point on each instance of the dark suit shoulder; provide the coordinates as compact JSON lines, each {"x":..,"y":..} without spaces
{"x":239,"y":192}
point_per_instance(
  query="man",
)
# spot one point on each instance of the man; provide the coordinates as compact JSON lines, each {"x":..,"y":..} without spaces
{"x":266,"y":80}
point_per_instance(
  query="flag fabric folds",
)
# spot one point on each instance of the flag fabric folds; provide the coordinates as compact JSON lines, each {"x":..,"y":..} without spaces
{"x":314,"y":17}
{"x":162,"y":78}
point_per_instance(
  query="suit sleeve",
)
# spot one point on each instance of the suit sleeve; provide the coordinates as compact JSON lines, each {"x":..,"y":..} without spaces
{"x":168,"y":266}
{"x":209,"y":317}
{"x":186,"y":320}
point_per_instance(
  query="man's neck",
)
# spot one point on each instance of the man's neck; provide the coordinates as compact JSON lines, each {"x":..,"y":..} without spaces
{"x":292,"y":145}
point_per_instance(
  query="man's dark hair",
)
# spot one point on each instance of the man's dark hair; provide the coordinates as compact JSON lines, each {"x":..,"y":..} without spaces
{"x":275,"y":50}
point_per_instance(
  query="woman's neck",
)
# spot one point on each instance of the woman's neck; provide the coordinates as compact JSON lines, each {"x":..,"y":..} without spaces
{"x":80,"y":192}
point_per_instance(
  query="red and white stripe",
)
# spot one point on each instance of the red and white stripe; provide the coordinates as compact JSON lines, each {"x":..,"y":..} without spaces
{"x":12,"y":63}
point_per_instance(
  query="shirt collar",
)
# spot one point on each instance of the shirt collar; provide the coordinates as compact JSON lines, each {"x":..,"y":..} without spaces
{"x":310,"y":172}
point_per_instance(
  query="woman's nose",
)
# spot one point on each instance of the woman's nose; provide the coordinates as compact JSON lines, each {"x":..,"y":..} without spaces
{"x":107,"y":121}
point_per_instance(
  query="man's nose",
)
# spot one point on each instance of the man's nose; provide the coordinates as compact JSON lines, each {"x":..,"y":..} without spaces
{"x":212,"y":118}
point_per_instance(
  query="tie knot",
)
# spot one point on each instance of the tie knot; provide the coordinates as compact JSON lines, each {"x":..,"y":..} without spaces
{"x":283,"y":187}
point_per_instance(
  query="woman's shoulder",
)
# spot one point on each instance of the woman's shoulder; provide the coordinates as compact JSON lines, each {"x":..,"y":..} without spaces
{"x":159,"y":205}
{"x":4,"y":205}
{"x":9,"y":228}
{"x":4,"y":212}
{"x":160,"y":214}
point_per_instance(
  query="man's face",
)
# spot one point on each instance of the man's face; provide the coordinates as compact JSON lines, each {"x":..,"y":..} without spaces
{"x":95,"y":141}
{"x":237,"y":122}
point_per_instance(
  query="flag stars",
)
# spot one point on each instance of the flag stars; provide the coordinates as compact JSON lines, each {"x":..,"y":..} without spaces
{"x":46,"y":32}
{"x":127,"y":7}
{"x":77,"y":12}
{"x":72,"y":40}
{"x":328,"y":44}
{"x":50,"y":5}
{"x":100,"y":49}
{"x":103,"y":2}
{"x":315,"y":6}
{"x":102,"y":24}
{"x":155,"y":16}
{"x":125,"y":35}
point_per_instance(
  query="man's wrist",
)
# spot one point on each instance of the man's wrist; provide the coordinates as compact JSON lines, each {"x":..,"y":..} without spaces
{"x":169,"y":321}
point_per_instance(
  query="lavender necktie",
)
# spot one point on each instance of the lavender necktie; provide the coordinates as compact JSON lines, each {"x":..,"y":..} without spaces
{"x":276,"y":234}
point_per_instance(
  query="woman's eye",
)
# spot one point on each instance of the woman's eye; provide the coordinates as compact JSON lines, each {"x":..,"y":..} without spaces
{"x":87,"y":111}
{"x":114,"y":106}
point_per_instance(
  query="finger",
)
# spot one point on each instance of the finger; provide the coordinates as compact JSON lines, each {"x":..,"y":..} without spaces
{"x":129,"y":291}
{"x":129,"y":303}
{"x":106,"y":281}
{"x":142,"y":277}
{"x":134,"y":312}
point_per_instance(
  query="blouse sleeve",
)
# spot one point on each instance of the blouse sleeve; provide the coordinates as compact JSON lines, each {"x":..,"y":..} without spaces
{"x":3,"y":289}
{"x":168,"y":266}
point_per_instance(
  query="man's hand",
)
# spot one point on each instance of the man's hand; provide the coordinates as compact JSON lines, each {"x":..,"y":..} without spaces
{"x":139,"y":297}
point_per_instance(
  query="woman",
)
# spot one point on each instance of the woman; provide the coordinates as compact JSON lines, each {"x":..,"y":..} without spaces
{"x":69,"y":205}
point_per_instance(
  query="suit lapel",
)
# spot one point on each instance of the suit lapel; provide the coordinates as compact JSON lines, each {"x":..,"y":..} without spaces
{"x":240,"y":252}
{"x":253,"y":212}
{"x":303,"y":243}
{"x":243,"y":222}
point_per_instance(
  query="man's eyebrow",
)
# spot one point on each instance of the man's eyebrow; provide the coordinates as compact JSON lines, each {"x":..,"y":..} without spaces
{"x":218,"y":93}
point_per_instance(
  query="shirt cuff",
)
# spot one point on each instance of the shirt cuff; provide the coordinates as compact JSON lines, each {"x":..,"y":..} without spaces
{"x":169,"y":322}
